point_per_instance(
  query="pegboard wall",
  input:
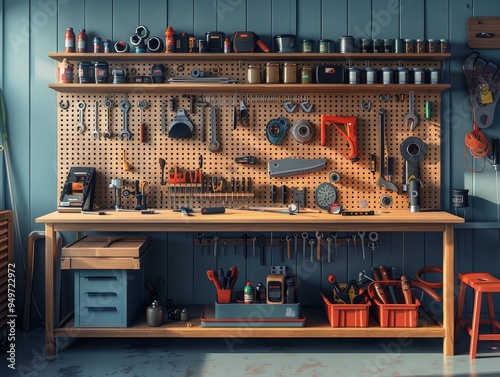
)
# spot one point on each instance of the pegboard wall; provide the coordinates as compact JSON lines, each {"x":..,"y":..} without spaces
{"x":356,"y":189}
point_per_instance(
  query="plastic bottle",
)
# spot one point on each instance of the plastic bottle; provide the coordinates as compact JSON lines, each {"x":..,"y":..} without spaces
{"x":260,"y":293}
{"x":81,"y":41}
{"x":169,"y":40}
{"x":69,"y":40}
{"x":248,"y":293}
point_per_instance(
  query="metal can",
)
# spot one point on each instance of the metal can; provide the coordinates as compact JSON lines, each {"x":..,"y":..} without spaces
{"x":418,"y":76}
{"x":289,"y":73}
{"x":409,"y":46}
{"x":101,"y":72}
{"x":388,"y":45}
{"x":346,"y":44}
{"x":371,"y":75}
{"x":420,"y":46}
{"x":434,"y":74}
{"x":272,"y":73}
{"x":306,"y":75}
{"x":253,"y":74}
{"x":107,"y":46}
{"x":387,"y":75}
{"x":307,"y":45}
{"x":402,"y":75}
{"x":377,"y":45}
{"x":202,"y":45}
{"x":97,"y":45}
{"x":444,"y":46}
{"x":354,"y":75}
{"x":432,"y":46}
{"x":325,"y":46}
{"x":85,"y":72}
{"x":366,"y":45}
{"x":398,"y":45}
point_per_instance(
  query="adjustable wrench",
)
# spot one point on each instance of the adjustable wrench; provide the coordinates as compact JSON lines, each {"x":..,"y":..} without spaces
{"x":411,"y":119}
{"x":125,"y":106}
{"x":362,"y":238}
{"x":107,"y":104}
{"x":214,"y":144}
{"x":382,"y":182}
{"x":80,"y":127}
{"x":304,"y":238}
{"x":96,"y":134}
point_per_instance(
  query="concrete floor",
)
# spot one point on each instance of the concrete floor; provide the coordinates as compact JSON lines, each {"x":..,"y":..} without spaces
{"x":249,"y":357}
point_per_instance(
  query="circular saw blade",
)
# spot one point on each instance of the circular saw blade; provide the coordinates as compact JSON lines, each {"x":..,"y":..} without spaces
{"x":325,"y":195}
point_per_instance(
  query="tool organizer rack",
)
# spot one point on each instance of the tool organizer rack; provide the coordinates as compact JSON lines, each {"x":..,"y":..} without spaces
{"x":357,"y":187}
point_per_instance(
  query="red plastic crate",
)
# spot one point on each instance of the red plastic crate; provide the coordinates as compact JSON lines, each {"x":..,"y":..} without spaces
{"x":346,"y":315}
{"x":394,"y":315}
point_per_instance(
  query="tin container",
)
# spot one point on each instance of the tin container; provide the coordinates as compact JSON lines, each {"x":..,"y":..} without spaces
{"x":432,"y":46}
{"x":354,"y":75}
{"x":419,"y":46}
{"x":402,"y":75}
{"x":85,"y":72}
{"x":307,"y":45}
{"x":388,"y":45}
{"x":418,"y":75}
{"x":377,"y":45}
{"x":371,"y":75}
{"x":366,"y":45}
{"x":272,"y":73}
{"x":434,"y":75}
{"x":97,"y":45}
{"x":387,"y":75}
{"x":101,"y":72}
{"x":202,"y":45}
{"x":306,"y":75}
{"x":289,"y":73}
{"x":346,"y":44}
{"x":107,"y":46}
{"x":325,"y":46}
{"x":398,"y":45}
{"x":444,"y":46}
{"x":253,"y":74}
{"x":409,"y":46}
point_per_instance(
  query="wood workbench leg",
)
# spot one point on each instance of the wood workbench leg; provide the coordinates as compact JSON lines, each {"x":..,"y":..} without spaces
{"x":50,"y":253}
{"x":448,"y":290}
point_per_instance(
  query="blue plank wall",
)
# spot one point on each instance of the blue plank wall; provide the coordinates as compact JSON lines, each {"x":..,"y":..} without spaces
{"x":32,"y":29}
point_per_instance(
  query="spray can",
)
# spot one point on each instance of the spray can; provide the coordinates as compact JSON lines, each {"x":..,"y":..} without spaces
{"x":169,"y":40}
{"x":69,"y":40}
{"x":248,"y":293}
{"x":81,"y":42}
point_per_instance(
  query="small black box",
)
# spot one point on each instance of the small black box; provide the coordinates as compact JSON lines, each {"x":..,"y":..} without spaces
{"x":329,"y":74}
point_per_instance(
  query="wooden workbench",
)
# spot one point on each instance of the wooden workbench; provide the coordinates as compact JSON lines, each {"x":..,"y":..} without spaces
{"x":245,"y":221}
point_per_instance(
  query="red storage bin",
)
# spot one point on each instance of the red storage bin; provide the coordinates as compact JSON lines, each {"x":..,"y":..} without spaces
{"x":346,"y":315}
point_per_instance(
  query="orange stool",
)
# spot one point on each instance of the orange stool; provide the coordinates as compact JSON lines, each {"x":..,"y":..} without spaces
{"x":481,"y":282}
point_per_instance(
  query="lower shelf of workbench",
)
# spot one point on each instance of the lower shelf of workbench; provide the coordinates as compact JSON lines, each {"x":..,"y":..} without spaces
{"x":316,"y":326}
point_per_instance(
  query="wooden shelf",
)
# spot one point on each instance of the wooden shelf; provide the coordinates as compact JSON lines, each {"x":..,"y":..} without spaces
{"x":316,"y":326}
{"x":264,"y":57}
{"x":247,"y":88}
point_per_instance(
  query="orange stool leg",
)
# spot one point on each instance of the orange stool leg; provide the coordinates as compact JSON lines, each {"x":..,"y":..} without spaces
{"x":476,"y":319}
{"x":491,"y":312}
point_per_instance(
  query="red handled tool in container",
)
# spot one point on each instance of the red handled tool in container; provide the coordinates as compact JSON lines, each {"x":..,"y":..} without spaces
{"x":347,"y":127}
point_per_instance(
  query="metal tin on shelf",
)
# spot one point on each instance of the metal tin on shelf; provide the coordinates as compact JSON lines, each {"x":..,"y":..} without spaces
{"x":419,"y":46}
{"x":97,"y":45}
{"x":272,"y":73}
{"x":307,"y":45}
{"x":101,"y":72}
{"x":107,"y":46}
{"x":306,"y":75}
{"x":346,"y":44}
{"x":377,"y":45}
{"x":371,"y":75}
{"x":289,"y":73}
{"x":418,"y":75}
{"x":253,"y":74}
{"x":354,"y":75}
{"x":325,"y":46}
{"x":398,"y":45}
{"x":388,"y":45}
{"x":432,"y":46}
{"x":402,"y":75}
{"x":434,"y":75}
{"x":444,"y":46}
{"x":85,"y":72}
{"x":366,"y":45}
{"x":387,"y":75}
{"x":409,"y":46}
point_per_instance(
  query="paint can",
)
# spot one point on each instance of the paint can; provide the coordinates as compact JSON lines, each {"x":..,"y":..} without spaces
{"x":325,"y":46}
{"x":354,"y":75}
{"x":272,"y":73}
{"x":433,"y":75}
{"x":377,"y":45}
{"x":306,"y":75}
{"x":388,"y":45}
{"x":409,"y":46}
{"x":371,"y":75}
{"x":460,"y":198}
{"x":418,"y":75}
{"x":402,"y":75}
{"x":387,"y":75}
{"x":85,"y":72}
{"x":253,"y":74}
{"x":289,"y":73}
{"x":346,"y":44}
{"x":398,"y":45}
{"x":307,"y":45}
{"x":101,"y":72}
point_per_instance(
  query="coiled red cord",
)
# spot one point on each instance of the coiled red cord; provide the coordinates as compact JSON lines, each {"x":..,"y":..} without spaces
{"x":478,"y":145}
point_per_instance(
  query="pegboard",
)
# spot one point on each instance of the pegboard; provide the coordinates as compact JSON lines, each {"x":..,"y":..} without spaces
{"x":357,"y":188}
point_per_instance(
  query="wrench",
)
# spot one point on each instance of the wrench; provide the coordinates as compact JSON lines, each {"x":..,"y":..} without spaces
{"x":362,"y":238}
{"x":215,"y":245}
{"x":80,"y":127}
{"x":329,"y":241}
{"x":382,"y":182}
{"x":107,"y":104}
{"x":214,"y":144}
{"x":334,"y":236}
{"x":96,"y":133}
{"x":311,"y":242}
{"x":125,"y":106}
{"x":296,"y":245}
{"x":288,"y":249}
{"x":411,"y":119}
{"x":304,"y":238}
{"x":253,"y":245}
{"x":319,"y":236}
{"x":142,"y":128}
{"x":163,"y":117}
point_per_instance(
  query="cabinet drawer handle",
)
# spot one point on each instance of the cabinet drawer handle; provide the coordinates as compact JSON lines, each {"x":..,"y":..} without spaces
{"x":96,"y":294}
{"x":100,"y":277}
{"x":101,"y":309}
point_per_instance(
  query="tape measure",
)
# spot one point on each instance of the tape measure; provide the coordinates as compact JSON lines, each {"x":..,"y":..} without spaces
{"x":325,"y":195}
